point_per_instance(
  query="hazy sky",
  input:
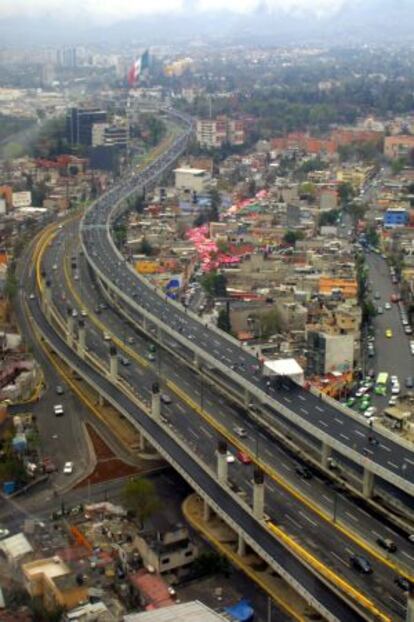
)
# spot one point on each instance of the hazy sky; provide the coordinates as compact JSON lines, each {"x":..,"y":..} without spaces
{"x":122,"y":9}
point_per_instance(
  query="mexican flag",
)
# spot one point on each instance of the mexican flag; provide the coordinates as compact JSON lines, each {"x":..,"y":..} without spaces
{"x":137,"y":68}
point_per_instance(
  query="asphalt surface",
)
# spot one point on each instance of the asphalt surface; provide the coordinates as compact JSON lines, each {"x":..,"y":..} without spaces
{"x":392,"y":354}
{"x":324,"y":416}
{"x":205,"y":481}
{"x":324,"y":540}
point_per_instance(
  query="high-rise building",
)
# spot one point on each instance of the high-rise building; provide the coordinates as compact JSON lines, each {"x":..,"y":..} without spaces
{"x":213,"y":133}
{"x":80,"y":122}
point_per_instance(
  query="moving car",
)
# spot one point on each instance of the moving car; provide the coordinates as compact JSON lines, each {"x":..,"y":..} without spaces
{"x":107,"y":337}
{"x":59,"y":390}
{"x":388,"y":333}
{"x":303,"y":471}
{"x":68,"y":468}
{"x":58,"y":410}
{"x":230,"y":458}
{"x":124,"y":361}
{"x":150,"y":356}
{"x":241,"y":432}
{"x":243,"y":457}
{"x":360,"y":563}
{"x":387,"y":543}
{"x":402,"y":583}
{"x":165,"y":398}
{"x":387,"y":306}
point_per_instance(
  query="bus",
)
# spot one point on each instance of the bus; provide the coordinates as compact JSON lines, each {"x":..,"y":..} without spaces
{"x":381,"y":384}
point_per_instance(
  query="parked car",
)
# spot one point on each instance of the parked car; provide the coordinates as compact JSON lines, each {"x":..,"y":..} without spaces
{"x":165,"y":398}
{"x":409,"y":382}
{"x":4,"y":533}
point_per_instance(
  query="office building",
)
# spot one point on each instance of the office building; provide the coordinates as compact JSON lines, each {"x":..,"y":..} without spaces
{"x":80,"y":122}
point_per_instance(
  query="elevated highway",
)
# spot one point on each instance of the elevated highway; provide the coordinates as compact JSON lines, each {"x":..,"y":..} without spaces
{"x":332,"y":426}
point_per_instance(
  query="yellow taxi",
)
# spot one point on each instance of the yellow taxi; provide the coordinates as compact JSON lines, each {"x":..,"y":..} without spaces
{"x":388,"y":333}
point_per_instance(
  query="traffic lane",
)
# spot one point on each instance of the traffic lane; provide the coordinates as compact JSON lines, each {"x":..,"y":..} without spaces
{"x":259,"y":533}
{"x":193,"y":431}
{"x":396,"y":449}
{"x":191,"y":383}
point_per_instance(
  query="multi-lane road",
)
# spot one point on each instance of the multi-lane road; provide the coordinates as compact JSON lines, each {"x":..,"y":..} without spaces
{"x":226,"y":353}
{"x":289,"y":512}
{"x":323,"y":419}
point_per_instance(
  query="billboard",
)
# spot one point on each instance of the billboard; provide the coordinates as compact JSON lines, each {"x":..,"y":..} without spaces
{"x":22,"y":199}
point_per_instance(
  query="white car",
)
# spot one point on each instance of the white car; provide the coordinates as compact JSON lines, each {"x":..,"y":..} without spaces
{"x":230,"y":458}
{"x":394,"y":380}
{"x":68,"y":468}
{"x":395,"y":389}
{"x":107,"y":337}
{"x":370,"y":412}
{"x":392,"y":400}
{"x":4,"y":533}
{"x":387,"y":306}
{"x":84,"y":313}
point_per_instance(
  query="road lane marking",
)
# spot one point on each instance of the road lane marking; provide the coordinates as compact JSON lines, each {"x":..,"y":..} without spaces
{"x":359,"y":433}
{"x":323,"y":423}
{"x":287,"y":467}
{"x":344,"y":436}
{"x":302,"y":398}
{"x":385,"y":447}
{"x":352,"y":517}
{"x":395,"y":466}
{"x":339,"y":558}
{"x":339,"y":421}
{"x":327,"y":498}
{"x":407,"y":555}
{"x":303,"y":515}
{"x":304,"y":411}
{"x":286,"y":399}
{"x":321,"y":410}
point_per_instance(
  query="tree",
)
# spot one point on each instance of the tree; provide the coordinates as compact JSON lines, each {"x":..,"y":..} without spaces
{"x":346,"y":192}
{"x":223,"y":321}
{"x":372,"y":235}
{"x":397,"y":165}
{"x":120,"y":234}
{"x":271,"y":323}
{"x":356,"y":209}
{"x":141,"y":498}
{"x":291,"y":237}
{"x":145,"y":247}
{"x":329,"y":218}
{"x":215,"y":202}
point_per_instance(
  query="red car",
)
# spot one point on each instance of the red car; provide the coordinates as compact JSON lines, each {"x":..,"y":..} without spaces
{"x":243,"y":457}
{"x":395,"y":298}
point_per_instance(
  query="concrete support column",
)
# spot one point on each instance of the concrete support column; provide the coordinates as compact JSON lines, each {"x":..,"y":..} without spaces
{"x":246,"y":397}
{"x":325,"y":454}
{"x":82,"y":337}
{"x":101,"y":400}
{"x":69,"y":327}
{"x":410,"y":605}
{"x":241,"y":546}
{"x":368,"y":483}
{"x":144,"y":324}
{"x":222,"y":462}
{"x":156,"y":402}
{"x":142,"y":443}
{"x":206,"y":511}
{"x":258,"y":494}
{"x":196,"y":361}
{"x":113,"y":362}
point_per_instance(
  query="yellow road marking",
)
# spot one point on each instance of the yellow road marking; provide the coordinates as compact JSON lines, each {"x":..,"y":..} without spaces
{"x":237,"y":561}
{"x":180,"y":393}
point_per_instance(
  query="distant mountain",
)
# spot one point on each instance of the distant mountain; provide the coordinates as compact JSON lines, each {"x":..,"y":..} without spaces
{"x":358,"y":21}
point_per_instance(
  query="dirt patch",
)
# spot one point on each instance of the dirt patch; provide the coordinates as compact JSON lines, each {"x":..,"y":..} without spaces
{"x":108,"y":466}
